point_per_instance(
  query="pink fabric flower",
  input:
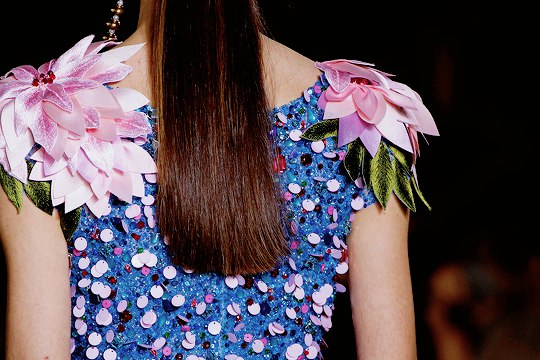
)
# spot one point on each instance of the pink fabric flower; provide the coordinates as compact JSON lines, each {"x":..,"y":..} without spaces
{"x":81,"y":125}
{"x":369,"y":106}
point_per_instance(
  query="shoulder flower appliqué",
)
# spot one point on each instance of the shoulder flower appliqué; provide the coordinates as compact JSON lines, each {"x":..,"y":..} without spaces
{"x":379,"y":119}
{"x":84,"y":128}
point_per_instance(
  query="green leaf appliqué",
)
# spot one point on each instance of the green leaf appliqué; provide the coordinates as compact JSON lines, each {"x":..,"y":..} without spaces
{"x":70,"y":221}
{"x":382,"y":175}
{"x":321,"y":130}
{"x":353,"y":159}
{"x":402,"y":185}
{"x":12,"y":187}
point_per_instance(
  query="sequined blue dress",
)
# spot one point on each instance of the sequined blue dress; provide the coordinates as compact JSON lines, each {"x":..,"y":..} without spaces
{"x":130,"y":302}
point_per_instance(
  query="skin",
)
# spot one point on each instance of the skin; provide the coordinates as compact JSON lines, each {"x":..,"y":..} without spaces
{"x":379,"y":277}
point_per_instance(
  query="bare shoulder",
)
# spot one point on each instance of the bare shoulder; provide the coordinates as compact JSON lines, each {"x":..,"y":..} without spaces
{"x":288,"y":73}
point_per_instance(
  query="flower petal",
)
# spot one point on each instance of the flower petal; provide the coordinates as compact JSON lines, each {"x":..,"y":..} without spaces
{"x":100,"y":153}
{"x":78,"y":69}
{"x":106,"y":131}
{"x":371,"y":138}
{"x":137,"y":159}
{"x":73,"y":85}
{"x":133,"y":125}
{"x":98,"y":206}
{"x":394,"y":130}
{"x":112,"y":57}
{"x":64,"y":183}
{"x":350,"y":128}
{"x":102,"y":99}
{"x":24,"y":108}
{"x":100,"y":185}
{"x":122,"y":186}
{"x":129,"y":99}
{"x":12,"y":89}
{"x":78,"y":197}
{"x":335,"y":110}
{"x":91,"y":117}
{"x":70,"y":120}
{"x":25,"y":73}
{"x":86,"y":169}
{"x":74,"y":53}
{"x":113,"y":74}
{"x":56,"y":94}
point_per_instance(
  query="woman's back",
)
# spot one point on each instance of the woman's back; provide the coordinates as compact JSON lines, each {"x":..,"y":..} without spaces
{"x":128,"y":299}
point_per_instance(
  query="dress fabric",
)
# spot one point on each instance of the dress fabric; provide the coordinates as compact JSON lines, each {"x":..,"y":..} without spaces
{"x":130,"y":302}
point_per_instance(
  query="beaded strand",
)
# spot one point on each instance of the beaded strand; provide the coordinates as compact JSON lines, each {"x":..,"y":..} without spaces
{"x":114,"y":24}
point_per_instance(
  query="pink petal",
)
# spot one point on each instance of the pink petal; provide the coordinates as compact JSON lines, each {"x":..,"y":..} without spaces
{"x":371,"y":139}
{"x":56,"y":94}
{"x":350,"y":128}
{"x":100,"y":153}
{"x":366,"y":101}
{"x":356,"y":71}
{"x":138,"y":185}
{"x":78,"y":69}
{"x":43,"y":69}
{"x":120,"y":160}
{"x":7,"y":124}
{"x":395,"y":97}
{"x":52,"y":166}
{"x":137,"y":159}
{"x":122,"y":186}
{"x":379,"y":110}
{"x":91,"y":117}
{"x":72,"y":147}
{"x":59,"y":147}
{"x":24,"y":104}
{"x":64,"y":183}
{"x":78,"y":197}
{"x":340,"y":109}
{"x":17,"y":154}
{"x":98,"y":206}
{"x":38,"y":173}
{"x":129,"y":99}
{"x":86,"y":169}
{"x":135,"y":124}
{"x":322,"y":102}
{"x":74,"y":85}
{"x":45,"y":130}
{"x":332,"y":95}
{"x":100,"y":185}
{"x":106,"y":131}
{"x":102,"y":99}
{"x":394,"y":130}
{"x":12,"y":89}
{"x":25,"y":73}
{"x":426,"y":123}
{"x":73,"y":163}
{"x":75,"y":53}
{"x":337,"y":79}
{"x":113,"y":74}
{"x":97,"y":46}
{"x":112,"y":57}
{"x":70,"y":120}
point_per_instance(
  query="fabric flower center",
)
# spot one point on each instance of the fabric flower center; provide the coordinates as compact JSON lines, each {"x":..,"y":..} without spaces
{"x":361,"y":81}
{"x":45,"y":79}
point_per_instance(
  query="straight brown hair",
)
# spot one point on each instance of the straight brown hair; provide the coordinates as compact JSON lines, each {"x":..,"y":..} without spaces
{"x":217,"y":197}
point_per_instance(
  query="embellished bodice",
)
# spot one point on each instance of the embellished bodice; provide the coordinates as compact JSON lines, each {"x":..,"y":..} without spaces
{"x":347,"y":142}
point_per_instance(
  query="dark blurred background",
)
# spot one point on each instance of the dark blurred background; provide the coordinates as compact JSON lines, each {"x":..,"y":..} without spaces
{"x":474,"y":257}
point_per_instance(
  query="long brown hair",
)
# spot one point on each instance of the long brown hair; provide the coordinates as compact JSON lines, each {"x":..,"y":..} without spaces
{"x":217,"y":199}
